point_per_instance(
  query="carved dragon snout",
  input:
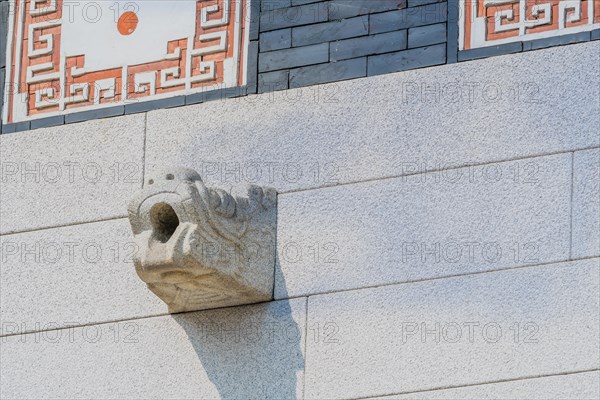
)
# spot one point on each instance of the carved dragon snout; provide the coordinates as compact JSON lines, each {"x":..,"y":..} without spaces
{"x":200,"y":248}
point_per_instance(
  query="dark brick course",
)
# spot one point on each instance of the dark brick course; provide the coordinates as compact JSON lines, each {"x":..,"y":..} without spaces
{"x":252,"y":78}
{"x":95,"y":114}
{"x":303,"y":2}
{"x":483,"y":52}
{"x":293,"y":16}
{"x":16,"y":127}
{"x":2,"y":72}
{"x":416,"y":3}
{"x":276,"y":40}
{"x":144,"y":106}
{"x":407,"y":59}
{"x":330,"y":31}
{"x":294,"y":57}
{"x":266,"y":5}
{"x":452,"y":31}
{"x":426,"y":35}
{"x":556,"y":41}
{"x":271,"y":81}
{"x":47,"y":122}
{"x":215,"y":92}
{"x":4,"y":11}
{"x":339,"y":9}
{"x":330,"y":72}
{"x":408,"y":18}
{"x":368,"y":45}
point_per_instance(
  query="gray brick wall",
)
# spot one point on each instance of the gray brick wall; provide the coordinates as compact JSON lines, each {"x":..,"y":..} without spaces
{"x":306,"y":42}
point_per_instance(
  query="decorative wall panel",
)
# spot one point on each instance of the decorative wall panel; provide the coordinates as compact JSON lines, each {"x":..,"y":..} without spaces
{"x":66,"y":57}
{"x":492,"y":22}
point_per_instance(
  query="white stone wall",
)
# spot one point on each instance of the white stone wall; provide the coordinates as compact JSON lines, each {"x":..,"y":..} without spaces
{"x":431,"y":245}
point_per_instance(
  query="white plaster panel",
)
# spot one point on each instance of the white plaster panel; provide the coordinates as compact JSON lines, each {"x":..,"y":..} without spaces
{"x":89,"y":28}
{"x":102,"y":43}
{"x":501,"y":22}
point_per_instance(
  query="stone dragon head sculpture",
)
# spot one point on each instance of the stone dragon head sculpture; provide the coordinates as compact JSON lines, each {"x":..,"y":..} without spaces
{"x":200,"y":248}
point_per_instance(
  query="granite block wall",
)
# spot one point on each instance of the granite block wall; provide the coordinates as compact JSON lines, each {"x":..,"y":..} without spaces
{"x":457,"y":258}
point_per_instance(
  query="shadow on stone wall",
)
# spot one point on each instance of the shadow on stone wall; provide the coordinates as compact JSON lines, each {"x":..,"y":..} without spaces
{"x":250,"y":352}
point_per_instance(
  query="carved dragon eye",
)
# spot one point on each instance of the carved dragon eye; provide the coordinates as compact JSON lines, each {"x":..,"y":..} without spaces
{"x":164,"y":220}
{"x":170,"y":177}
